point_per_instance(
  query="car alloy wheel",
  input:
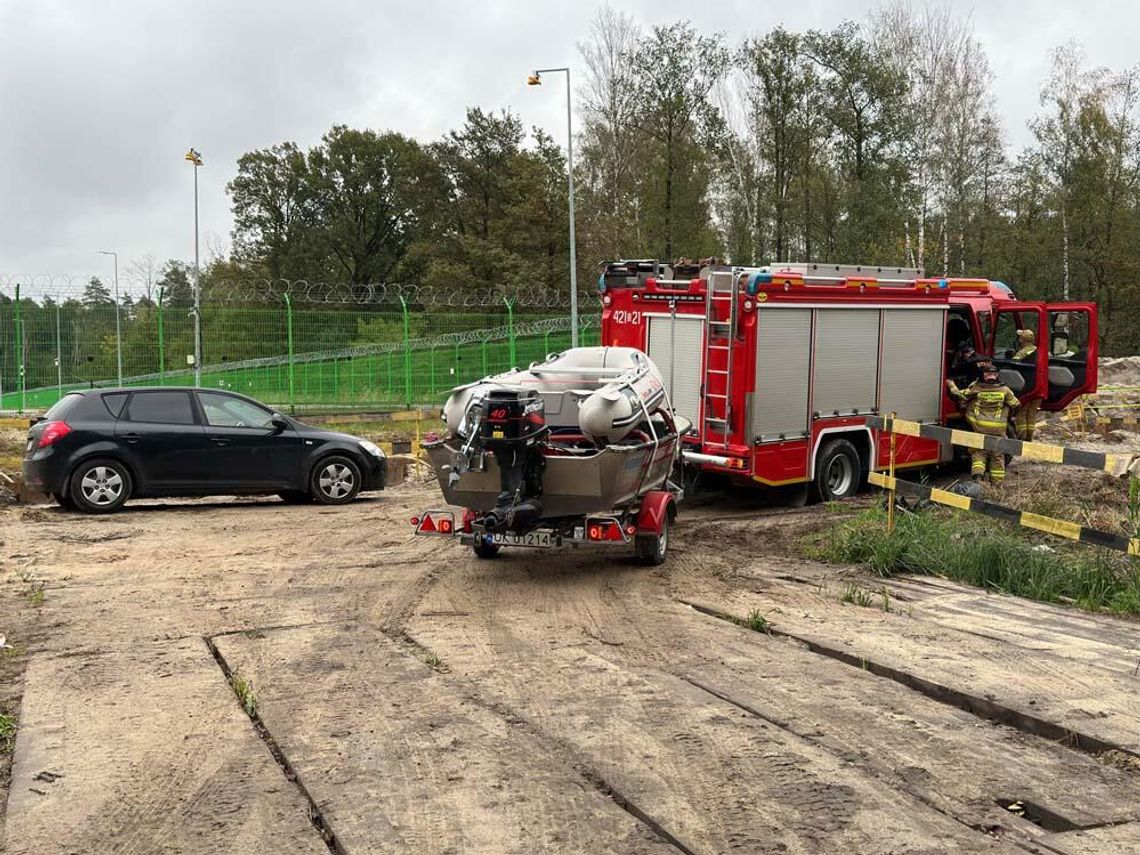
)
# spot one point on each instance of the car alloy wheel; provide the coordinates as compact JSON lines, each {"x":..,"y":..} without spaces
{"x":336,"y":480}
{"x":101,"y":486}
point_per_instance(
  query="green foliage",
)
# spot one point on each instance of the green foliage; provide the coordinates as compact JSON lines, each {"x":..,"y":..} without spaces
{"x":987,"y":555}
{"x":243,"y":688}
{"x":756,"y":622}
{"x":7,"y":732}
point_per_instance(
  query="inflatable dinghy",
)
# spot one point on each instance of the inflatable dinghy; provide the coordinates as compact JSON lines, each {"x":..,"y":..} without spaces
{"x":587,"y":430}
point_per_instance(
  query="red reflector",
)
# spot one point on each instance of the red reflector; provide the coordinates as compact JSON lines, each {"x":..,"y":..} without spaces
{"x":415,"y":521}
{"x":53,"y":431}
{"x":631,"y":530}
{"x":428,"y":524}
{"x":613,"y":531}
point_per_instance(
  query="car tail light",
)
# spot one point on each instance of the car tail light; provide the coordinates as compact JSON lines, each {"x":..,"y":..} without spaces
{"x":52,"y":432}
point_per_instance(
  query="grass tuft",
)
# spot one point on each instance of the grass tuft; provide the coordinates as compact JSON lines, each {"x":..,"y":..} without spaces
{"x":243,"y":688}
{"x":867,"y":599}
{"x":755,"y":622}
{"x":984,"y":553}
{"x":7,"y":732}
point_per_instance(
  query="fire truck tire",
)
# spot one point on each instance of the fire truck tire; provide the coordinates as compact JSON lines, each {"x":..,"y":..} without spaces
{"x":652,"y":549}
{"x":838,"y":470}
{"x":486,"y":550}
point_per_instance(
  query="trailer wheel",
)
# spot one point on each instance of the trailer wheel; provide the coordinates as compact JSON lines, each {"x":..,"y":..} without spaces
{"x":652,"y":548}
{"x":485,"y":550}
{"x":838,"y":470}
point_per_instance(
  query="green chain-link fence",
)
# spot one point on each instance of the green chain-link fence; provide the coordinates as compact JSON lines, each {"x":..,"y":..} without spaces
{"x":294,"y":350}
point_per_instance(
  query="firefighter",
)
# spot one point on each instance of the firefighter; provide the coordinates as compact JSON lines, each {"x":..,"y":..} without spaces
{"x":1025,"y":422}
{"x":989,"y":404}
{"x":964,"y":367}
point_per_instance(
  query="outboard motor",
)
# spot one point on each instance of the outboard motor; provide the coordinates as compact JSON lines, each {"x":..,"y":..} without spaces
{"x":511,"y":426}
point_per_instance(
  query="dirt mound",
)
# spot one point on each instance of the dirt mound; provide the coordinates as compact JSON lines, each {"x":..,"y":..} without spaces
{"x":1121,"y":371}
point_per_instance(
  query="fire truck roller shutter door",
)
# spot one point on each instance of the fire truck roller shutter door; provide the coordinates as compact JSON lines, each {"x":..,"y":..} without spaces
{"x":783,"y":363}
{"x":675,"y":346}
{"x":846,"y":357}
{"x":911,"y":382}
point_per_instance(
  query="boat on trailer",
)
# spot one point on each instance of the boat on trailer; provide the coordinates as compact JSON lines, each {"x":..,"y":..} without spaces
{"x":579,"y":449}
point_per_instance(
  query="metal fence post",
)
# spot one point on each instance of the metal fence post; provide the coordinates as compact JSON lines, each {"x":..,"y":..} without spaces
{"x":20,"y":354}
{"x":161,"y":340}
{"x":431,"y":372}
{"x":407,"y":352}
{"x":457,"y":377}
{"x":289,"y":346}
{"x":58,"y":352}
{"x":510,"y":304}
{"x":483,"y":347}
{"x":891,"y":468}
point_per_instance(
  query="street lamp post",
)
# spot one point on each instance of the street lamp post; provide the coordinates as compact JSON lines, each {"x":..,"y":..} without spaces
{"x":196,"y":158}
{"x":118,"y":327}
{"x":536,"y":80}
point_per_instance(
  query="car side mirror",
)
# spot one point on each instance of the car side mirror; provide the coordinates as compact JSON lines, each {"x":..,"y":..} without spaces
{"x":279,"y":423}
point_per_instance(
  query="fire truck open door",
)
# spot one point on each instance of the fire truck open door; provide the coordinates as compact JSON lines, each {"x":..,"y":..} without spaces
{"x":1064,"y":365}
{"x":1027,"y":377}
{"x":1071,"y":350}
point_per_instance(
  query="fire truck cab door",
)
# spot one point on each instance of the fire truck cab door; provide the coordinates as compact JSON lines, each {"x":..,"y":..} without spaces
{"x":1070,"y":349}
{"x":1026,"y":377}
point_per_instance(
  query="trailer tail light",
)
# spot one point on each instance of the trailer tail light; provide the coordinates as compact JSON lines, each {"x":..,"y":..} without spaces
{"x":435,"y":522}
{"x":53,"y":431}
{"x":602,"y":530}
{"x":607,"y":300}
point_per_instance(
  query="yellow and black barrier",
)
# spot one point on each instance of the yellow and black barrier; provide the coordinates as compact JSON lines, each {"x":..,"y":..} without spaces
{"x":1114,"y":464}
{"x":1060,"y":528}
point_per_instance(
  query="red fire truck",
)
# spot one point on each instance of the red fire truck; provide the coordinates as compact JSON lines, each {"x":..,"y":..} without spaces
{"x":778,"y":367}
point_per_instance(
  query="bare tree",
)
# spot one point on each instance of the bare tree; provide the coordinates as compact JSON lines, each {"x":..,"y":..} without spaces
{"x":1058,"y":130}
{"x":144,"y":270}
{"x":607,"y":108}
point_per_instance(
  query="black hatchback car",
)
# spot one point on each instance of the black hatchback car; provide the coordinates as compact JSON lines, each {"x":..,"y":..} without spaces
{"x":97,"y":448}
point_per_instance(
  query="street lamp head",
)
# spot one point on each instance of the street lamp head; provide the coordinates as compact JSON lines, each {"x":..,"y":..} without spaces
{"x":105,"y":252}
{"x":534,"y":79}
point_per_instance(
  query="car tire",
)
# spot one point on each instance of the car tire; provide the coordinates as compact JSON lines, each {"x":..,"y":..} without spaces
{"x":485,"y":550}
{"x":295,"y":497}
{"x":652,"y":549}
{"x":838,"y":471}
{"x":99,"y":486}
{"x":335,"y":480}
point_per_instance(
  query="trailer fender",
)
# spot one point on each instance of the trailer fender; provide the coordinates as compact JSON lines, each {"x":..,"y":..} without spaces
{"x":656,"y":507}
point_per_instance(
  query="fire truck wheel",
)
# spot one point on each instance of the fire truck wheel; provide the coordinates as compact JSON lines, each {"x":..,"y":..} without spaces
{"x":486,"y":550}
{"x":653,"y":548}
{"x":837,"y":470}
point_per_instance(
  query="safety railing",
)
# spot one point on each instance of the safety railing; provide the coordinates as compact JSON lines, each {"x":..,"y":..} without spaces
{"x":1118,"y":465}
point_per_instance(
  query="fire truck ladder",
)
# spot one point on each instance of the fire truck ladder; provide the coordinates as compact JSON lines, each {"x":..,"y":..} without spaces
{"x":720,"y":335}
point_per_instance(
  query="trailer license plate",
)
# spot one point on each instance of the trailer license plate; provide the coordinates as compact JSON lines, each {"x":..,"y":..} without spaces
{"x":541,"y":539}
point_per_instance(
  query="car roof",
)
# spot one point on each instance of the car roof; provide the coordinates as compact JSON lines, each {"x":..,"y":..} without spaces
{"x":110,"y":390}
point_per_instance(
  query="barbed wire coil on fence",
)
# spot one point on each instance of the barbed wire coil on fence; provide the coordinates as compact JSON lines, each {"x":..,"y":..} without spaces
{"x":62,"y":288}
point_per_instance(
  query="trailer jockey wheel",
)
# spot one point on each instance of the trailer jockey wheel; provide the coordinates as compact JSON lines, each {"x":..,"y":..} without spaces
{"x":838,"y":470}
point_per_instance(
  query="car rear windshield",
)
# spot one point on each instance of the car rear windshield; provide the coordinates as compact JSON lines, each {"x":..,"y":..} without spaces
{"x":62,"y":407}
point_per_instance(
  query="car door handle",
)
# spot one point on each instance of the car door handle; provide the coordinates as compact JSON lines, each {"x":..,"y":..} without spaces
{"x":132,"y":438}
{"x":219,"y":440}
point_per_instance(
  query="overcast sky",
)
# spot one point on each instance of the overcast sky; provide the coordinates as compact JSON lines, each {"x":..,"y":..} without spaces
{"x":99,"y":101}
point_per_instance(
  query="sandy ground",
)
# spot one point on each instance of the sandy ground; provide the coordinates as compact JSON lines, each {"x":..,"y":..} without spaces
{"x":397,"y":694}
